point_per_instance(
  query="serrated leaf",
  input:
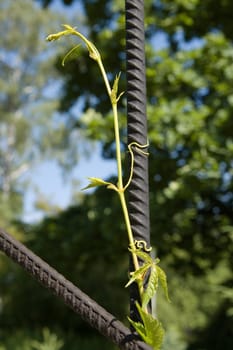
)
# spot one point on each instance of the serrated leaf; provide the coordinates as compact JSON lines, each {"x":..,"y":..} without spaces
{"x":152,"y":286}
{"x":96,"y":182}
{"x":163,"y":280}
{"x":139,"y":328}
{"x":144,"y":256}
{"x":138,"y":274}
{"x":153,"y":332}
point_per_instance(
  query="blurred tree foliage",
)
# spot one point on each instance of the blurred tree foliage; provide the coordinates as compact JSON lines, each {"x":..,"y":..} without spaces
{"x":190,"y":103}
{"x":30,"y":128}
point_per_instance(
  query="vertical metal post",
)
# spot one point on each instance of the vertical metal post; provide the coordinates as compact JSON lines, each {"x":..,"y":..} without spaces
{"x":137,"y":127}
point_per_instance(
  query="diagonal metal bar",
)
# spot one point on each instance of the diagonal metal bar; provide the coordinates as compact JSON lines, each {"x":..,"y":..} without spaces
{"x":79,"y":302}
{"x":137,"y":127}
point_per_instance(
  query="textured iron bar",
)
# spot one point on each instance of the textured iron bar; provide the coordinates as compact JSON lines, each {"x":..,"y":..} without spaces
{"x":137,"y":127}
{"x":78,"y":301}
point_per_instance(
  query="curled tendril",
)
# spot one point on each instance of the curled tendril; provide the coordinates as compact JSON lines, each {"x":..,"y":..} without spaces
{"x":141,"y":244}
{"x":139,"y":148}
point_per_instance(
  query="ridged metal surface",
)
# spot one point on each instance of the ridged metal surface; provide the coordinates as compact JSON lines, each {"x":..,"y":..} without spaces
{"x":137,"y":121}
{"x":78,"y":301}
{"x":137,"y":125}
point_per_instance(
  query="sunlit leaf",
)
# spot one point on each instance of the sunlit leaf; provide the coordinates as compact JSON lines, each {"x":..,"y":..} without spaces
{"x":114,"y":97}
{"x":152,"y":286}
{"x":138,"y":274}
{"x":96,"y":182}
{"x":151,"y":331}
{"x":116,"y":83}
{"x":144,"y":256}
{"x":139,"y":328}
{"x":163,"y":280}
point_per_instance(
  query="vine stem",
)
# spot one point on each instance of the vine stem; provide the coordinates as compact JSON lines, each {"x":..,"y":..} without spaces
{"x":104,"y":75}
{"x":112,"y":93}
{"x":120,"y":187}
{"x":118,"y":150}
{"x":121,"y":193}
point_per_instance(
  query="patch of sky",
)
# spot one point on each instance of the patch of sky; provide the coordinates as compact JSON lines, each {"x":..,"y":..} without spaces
{"x":76,"y":7}
{"x":159,"y":40}
{"x":48,"y":182}
{"x":193,"y":44}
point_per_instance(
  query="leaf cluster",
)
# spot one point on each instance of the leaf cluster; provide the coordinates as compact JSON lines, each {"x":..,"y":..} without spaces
{"x":156,"y":275}
{"x":150,"y":330}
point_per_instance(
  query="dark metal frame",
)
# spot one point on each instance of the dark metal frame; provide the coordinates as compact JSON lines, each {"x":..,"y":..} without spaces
{"x":137,"y":130}
{"x":78,"y":301}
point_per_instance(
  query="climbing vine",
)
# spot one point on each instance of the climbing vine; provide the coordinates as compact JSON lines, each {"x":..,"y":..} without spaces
{"x":150,"y":329}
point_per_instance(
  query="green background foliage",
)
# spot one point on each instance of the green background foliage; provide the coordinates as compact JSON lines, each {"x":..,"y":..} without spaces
{"x":190,"y":103}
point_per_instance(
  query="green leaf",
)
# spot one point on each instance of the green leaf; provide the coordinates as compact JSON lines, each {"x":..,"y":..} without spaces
{"x":96,"y":182}
{"x":151,"y":331}
{"x":116,"y":83}
{"x":144,"y":256}
{"x":114,"y":97}
{"x":139,"y":327}
{"x":163,"y":280}
{"x":152,"y":286}
{"x":138,"y":274}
